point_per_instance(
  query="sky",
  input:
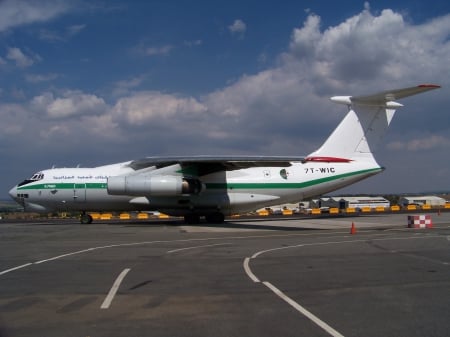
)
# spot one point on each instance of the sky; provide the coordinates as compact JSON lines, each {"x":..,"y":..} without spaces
{"x":97,"y":82}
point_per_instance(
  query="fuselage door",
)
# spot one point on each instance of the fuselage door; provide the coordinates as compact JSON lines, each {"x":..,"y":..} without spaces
{"x":79,"y":192}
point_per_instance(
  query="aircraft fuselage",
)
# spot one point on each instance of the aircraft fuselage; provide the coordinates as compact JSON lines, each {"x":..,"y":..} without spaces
{"x":230,"y":192}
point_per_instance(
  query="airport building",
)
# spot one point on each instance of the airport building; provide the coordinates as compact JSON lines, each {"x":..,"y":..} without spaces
{"x":431,"y":200}
{"x":350,"y":202}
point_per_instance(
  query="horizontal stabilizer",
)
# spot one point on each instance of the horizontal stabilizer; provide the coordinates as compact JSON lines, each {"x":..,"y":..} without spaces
{"x":384,"y":98}
{"x":362,"y":129}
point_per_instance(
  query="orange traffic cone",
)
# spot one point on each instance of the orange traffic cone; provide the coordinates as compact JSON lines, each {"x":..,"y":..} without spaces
{"x":353,"y":229}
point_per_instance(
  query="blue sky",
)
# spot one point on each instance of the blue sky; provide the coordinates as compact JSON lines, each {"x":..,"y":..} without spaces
{"x":97,"y":82}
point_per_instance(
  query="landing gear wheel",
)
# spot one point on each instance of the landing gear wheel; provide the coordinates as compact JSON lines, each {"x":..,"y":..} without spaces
{"x":215,"y":218}
{"x":85,"y":219}
{"x":192,"y":219}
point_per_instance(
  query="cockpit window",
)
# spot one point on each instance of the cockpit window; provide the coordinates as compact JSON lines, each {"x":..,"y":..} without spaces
{"x":35,"y":177}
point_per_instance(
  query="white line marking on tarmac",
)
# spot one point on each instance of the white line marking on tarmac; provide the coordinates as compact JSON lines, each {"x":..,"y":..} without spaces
{"x":154,"y":242}
{"x":183,"y":240}
{"x":195,"y":247}
{"x":64,"y":255}
{"x":294,"y":304}
{"x":249,"y":271}
{"x":274,"y":249}
{"x":107,"y":302}
{"x":15,"y":268}
{"x":303,"y":311}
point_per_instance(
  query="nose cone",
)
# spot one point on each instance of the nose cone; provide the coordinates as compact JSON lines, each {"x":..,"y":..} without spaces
{"x":13,"y":192}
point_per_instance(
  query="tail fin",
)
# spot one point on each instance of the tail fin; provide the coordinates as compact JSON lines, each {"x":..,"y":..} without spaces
{"x":363,"y":128}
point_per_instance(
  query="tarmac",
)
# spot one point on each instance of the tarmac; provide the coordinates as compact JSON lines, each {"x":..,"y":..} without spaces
{"x":246,"y":277}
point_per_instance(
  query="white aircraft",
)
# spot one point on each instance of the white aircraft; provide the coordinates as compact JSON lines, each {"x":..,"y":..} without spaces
{"x":213,"y":187}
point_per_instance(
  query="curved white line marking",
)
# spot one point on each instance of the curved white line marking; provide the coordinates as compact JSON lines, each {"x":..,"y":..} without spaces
{"x":195,"y":247}
{"x":107,"y":302}
{"x":303,"y":311}
{"x":274,"y":249}
{"x":249,"y":271}
{"x":15,"y":268}
{"x":64,"y":255}
{"x":184,"y":240}
{"x":147,"y":243}
{"x":294,"y":304}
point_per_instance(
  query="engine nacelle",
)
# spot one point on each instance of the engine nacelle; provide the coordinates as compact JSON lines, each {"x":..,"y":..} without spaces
{"x":153,"y":185}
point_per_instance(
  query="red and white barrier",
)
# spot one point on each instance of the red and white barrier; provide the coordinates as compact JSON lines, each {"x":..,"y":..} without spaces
{"x":420,"y":221}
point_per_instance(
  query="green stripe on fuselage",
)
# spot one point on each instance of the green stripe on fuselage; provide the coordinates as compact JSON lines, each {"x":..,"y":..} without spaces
{"x":212,"y":186}
{"x":286,"y":185}
{"x":62,"y":186}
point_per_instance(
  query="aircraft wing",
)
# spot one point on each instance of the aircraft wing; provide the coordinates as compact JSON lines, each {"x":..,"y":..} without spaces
{"x":210,"y":164}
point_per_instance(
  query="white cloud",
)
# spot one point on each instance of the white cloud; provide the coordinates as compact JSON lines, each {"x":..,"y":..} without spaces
{"x":10,"y":114}
{"x":163,"y":50}
{"x":15,"y":13}
{"x":39,"y":78}
{"x":72,"y":103}
{"x":193,"y":43}
{"x":56,"y":36}
{"x":145,"y":107}
{"x":124,"y":87}
{"x":238,"y":27}
{"x":75,"y":29}
{"x":19,"y":58}
{"x":421,"y":144}
{"x":369,"y":48}
{"x":282,"y":110}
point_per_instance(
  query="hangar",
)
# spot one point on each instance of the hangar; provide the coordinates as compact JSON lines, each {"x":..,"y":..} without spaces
{"x":431,"y":200}
{"x":351,"y":202}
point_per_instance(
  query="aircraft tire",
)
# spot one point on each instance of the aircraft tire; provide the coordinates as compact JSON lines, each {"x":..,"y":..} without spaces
{"x":85,"y":219}
{"x":215,"y":218}
{"x":192,"y":219}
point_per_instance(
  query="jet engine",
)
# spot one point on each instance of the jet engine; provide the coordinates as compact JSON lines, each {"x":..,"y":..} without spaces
{"x":153,"y":185}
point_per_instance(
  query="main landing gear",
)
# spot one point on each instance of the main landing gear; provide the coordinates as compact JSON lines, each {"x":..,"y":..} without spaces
{"x":85,"y":218}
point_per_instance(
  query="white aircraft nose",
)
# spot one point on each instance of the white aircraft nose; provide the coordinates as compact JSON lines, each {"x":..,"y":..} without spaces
{"x":13,"y":192}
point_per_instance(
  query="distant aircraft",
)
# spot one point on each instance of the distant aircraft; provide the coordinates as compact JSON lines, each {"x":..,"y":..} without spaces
{"x":214,"y":187}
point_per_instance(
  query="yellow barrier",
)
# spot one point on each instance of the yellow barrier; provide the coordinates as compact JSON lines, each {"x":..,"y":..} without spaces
{"x":395,"y":208}
{"x":350,"y":210}
{"x":380,"y":209}
{"x":411,"y":207}
{"x":334,"y":210}
{"x":124,"y":216}
{"x":95,"y":216}
{"x":426,"y":206}
{"x":142,"y":216}
{"x":316,"y":211}
{"x":287,"y":212}
{"x":163,"y":216}
{"x":447,"y":205}
{"x":366,"y":209}
{"x":106,"y":216}
{"x":263,"y":213}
